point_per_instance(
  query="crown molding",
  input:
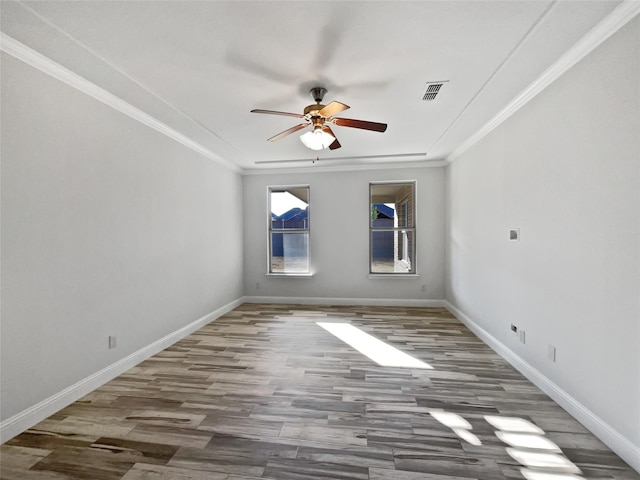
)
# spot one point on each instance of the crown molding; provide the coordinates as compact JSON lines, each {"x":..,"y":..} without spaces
{"x":619,"y":17}
{"x":613,"y":22}
{"x":35,"y":59}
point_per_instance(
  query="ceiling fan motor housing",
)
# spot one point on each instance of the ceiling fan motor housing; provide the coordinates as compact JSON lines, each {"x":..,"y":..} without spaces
{"x":313,"y":109}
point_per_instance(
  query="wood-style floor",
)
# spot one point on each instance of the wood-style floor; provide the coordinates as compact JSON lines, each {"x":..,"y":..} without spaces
{"x":264,"y":392}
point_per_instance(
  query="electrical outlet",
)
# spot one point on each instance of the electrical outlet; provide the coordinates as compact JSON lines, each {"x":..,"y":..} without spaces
{"x":424,"y":289}
{"x":113,"y":342}
{"x":521,"y":336}
{"x":257,"y":285}
{"x":551,"y":353}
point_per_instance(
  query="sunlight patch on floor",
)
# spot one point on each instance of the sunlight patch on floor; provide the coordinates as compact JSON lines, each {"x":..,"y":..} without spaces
{"x":455,"y":422}
{"x":541,"y":457}
{"x":380,"y":352}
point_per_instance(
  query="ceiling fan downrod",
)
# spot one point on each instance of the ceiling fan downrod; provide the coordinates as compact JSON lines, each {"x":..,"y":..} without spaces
{"x":318,"y":93}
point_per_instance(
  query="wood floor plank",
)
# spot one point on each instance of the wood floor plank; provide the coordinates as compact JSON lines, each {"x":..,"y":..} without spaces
{"x":264,"y":392}
{"x":22,"y":457}
{"x":143,"y":471}
{"x":203,"y":459}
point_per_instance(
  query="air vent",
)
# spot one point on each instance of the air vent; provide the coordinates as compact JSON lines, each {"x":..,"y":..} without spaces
{"x":432,"y":91}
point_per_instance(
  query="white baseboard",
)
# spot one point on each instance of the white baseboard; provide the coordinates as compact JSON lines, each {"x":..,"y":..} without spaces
{"x":617,"y":442}
{"x":381,"y":302}
{"x":26,"y":419}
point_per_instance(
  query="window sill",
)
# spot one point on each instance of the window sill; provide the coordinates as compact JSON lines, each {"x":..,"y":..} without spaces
{"x":410,"y":276}
{"x":297,"y":275}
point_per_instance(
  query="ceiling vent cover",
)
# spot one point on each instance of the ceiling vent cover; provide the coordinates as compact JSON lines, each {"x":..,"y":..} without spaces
{"x":432,"y":91}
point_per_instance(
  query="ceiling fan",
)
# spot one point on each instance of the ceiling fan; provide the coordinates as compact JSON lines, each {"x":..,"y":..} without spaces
{"x":320,"y":116}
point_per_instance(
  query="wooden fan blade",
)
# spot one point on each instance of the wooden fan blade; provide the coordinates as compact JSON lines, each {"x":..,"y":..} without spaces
{"x":289,"y":131}
{"x":273,"y":112}
{"x":336,"y":143}
{"x":364,"y":125}
{"x":333,"y":108}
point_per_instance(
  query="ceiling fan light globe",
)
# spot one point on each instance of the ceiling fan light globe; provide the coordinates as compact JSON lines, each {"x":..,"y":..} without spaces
{"x":317,"y":139}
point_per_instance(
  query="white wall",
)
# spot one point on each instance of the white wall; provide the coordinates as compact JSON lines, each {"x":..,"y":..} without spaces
{"x":565,"y":170}
{"x":108,"y":228}
{"x":339,"y":239}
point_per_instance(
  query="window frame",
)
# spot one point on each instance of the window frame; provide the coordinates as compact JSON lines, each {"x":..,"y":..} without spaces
{"x":270,"y":231}
{"x":410,"y":227}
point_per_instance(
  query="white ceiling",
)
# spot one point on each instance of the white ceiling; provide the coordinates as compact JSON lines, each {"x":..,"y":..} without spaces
{"x":200,"y":67}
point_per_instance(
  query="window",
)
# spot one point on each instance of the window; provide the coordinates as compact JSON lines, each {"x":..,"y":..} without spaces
{"x":392,"y":229}
{"x":289,"y":230}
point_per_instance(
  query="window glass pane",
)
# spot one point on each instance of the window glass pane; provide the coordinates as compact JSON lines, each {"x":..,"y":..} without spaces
{"x":392,"y":251}
{"x":392,"y":205}
{"x":289,"y":252}
{"x":290,"y":208}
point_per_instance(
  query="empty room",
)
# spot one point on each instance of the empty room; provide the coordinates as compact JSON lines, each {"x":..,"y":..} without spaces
{"x":355,"y":240}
